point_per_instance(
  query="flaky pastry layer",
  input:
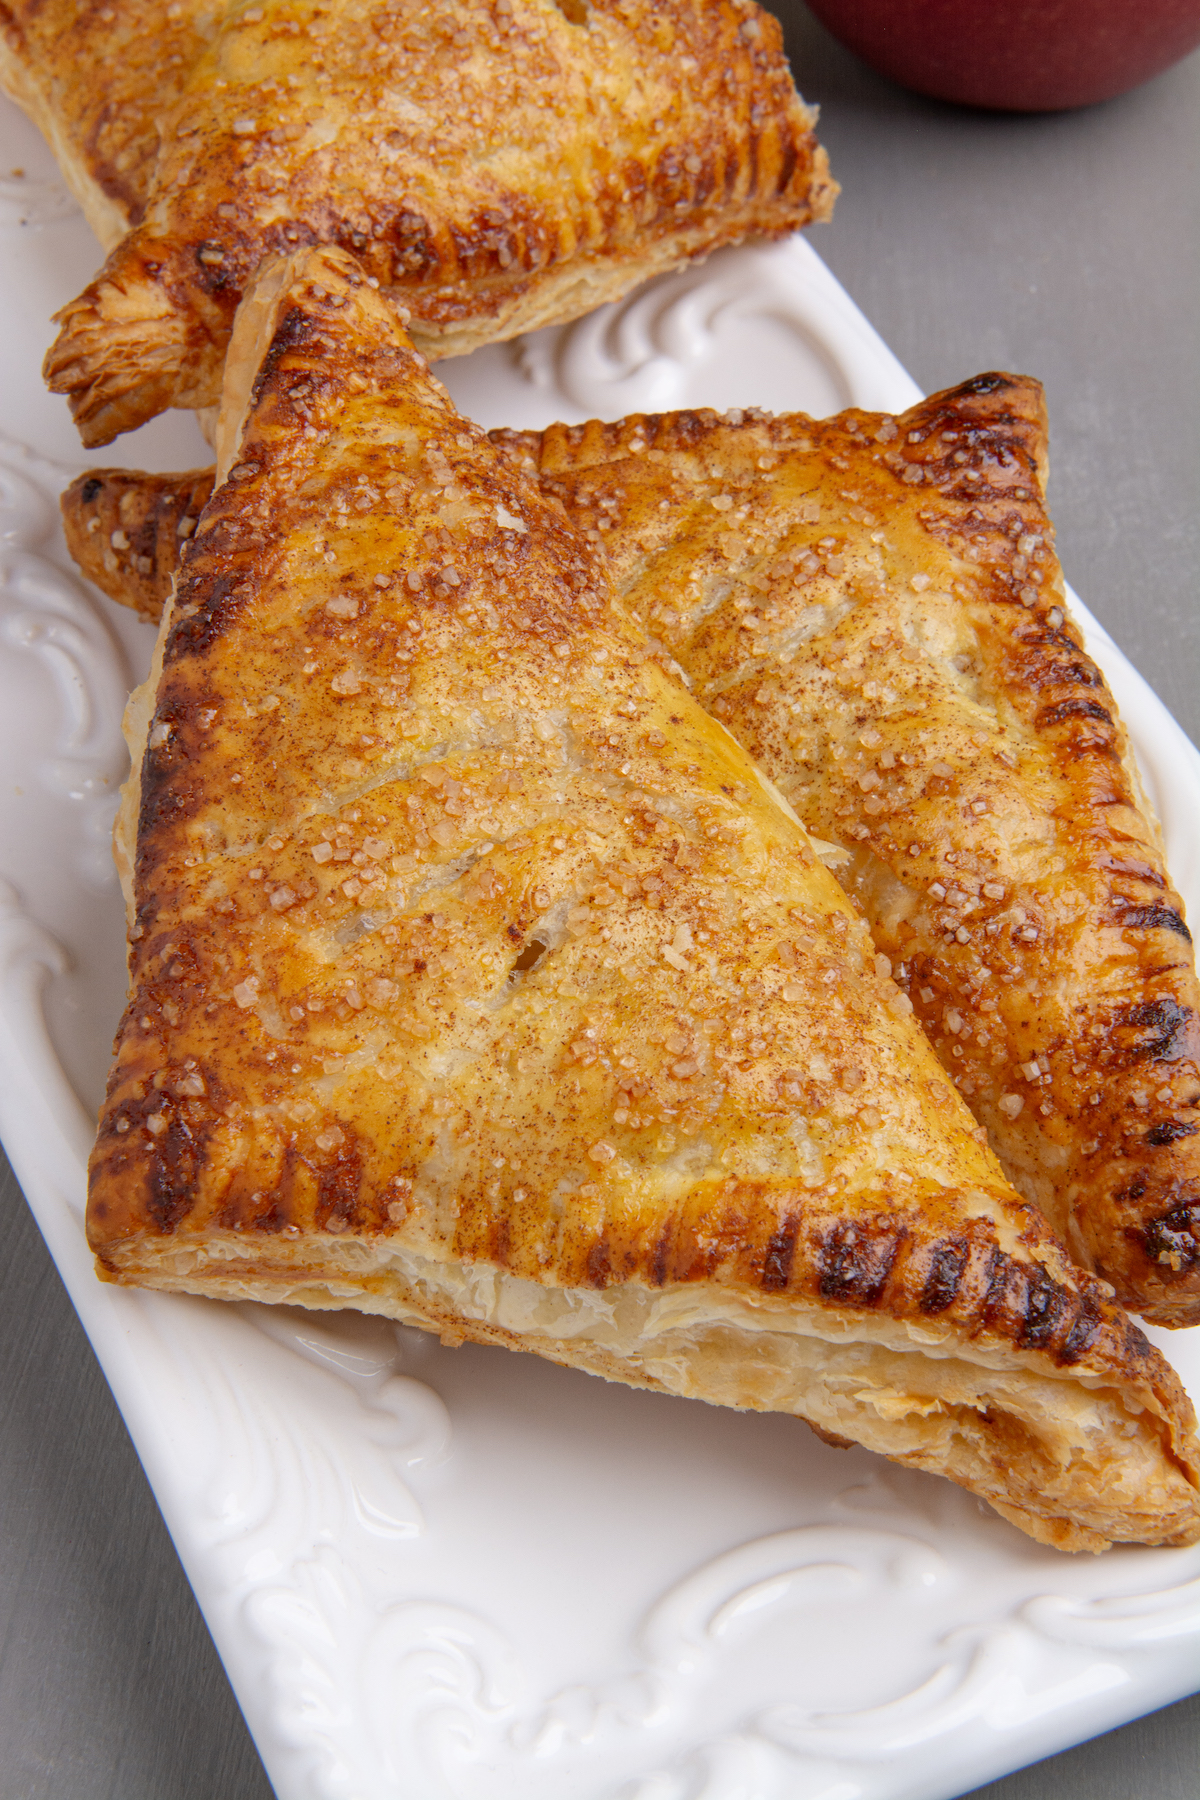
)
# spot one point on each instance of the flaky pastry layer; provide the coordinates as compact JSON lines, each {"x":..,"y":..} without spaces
{"x":1026,"y":1438}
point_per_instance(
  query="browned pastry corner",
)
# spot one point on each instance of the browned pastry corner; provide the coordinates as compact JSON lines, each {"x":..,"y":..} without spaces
{"x":100,"y":82}
{"x":502,"y":164}
{"x":890,"y":640}
{"x":874,"y":607}
{"x":479,"y":980}
{"x":126,"y":529}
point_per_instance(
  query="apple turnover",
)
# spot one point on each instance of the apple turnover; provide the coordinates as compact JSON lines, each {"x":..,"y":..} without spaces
{"x":873,"y":606}
{"x":478,"y":979}
{"x":503,"y":164}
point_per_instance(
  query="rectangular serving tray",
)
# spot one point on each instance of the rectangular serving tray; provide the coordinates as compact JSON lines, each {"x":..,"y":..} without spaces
{"x":459,"y":1573}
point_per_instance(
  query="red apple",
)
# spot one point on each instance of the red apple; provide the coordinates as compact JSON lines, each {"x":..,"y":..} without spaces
{"x":1018,"y":55}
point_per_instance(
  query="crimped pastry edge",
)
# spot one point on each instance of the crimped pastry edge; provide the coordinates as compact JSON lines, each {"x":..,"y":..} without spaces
{"x":580,"y":286}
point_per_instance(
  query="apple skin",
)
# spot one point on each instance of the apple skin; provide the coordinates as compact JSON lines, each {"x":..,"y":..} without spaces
{"x":1016,"y":55}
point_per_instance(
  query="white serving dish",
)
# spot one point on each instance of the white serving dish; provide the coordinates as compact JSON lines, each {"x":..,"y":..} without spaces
{"x":464,"y":1575}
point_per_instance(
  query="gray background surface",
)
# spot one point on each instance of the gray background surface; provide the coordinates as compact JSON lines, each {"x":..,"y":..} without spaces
{"x":1066,"y":247}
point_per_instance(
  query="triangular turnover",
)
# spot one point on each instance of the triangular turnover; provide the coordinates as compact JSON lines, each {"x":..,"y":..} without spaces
{"x":873,"y":606}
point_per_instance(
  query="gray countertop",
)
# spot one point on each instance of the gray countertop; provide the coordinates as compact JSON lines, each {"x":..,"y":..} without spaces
{"x":1066,"y":247}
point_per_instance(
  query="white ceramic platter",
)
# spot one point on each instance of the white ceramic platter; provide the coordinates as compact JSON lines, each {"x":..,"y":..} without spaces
{"x":459,"y":1574}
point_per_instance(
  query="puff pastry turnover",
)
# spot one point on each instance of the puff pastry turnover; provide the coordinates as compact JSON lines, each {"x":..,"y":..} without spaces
{"x":873,"y":606}
{"x":478,"y":979}
{"x":502,"y":163}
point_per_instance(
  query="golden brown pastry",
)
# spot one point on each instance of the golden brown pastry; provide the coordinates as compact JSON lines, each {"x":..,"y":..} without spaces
{"x":503,"y":164}
{"x":99,"y":82}
{"x":873,"y":607}
{"x":478,"y":979}
{"x":126,"y":529}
